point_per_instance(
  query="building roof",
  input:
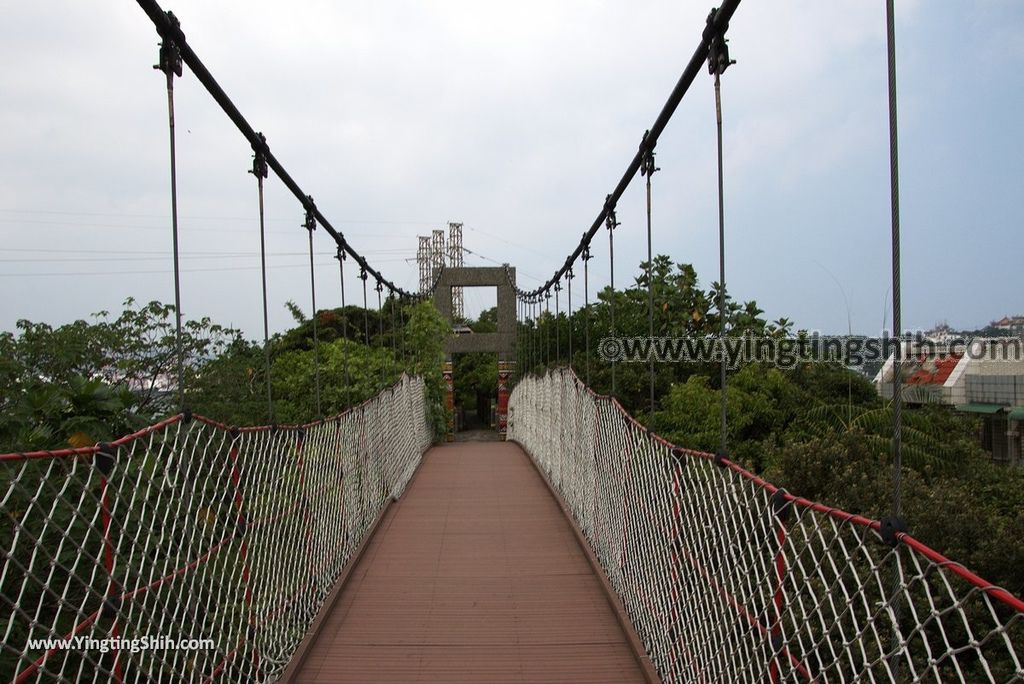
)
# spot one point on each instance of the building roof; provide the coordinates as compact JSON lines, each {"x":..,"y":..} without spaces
{"x":932,"y":370}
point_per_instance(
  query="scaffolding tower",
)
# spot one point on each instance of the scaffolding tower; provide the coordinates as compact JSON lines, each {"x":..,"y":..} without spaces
{"x":424,"y":262}
{"x":455,"y":260}
{"x":437,"y":254}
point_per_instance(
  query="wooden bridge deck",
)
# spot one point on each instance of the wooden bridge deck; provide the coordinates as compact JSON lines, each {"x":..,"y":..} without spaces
{"x":475,"y":575}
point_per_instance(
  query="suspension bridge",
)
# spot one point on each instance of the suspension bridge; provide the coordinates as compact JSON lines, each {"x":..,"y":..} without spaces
{"x":583,"y":548}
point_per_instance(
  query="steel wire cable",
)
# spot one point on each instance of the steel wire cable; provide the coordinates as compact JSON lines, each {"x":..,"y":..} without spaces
{"x":344,"y":325}
{"x":394,"y":337}
{"x":568,"y":281}
{"x":310,"y":226}
{"x":170,"y":64}
{"x":647,"y":169}
{"x":536,"y":335}
{"x":722,"y":296}
{"x":380,"y":331}
{"x":897,"y":322}
{"x":259,"y":169}
{"x":611,"y":224}
{"x":586,"y":307}
{"x":547,"y":329}
{"x":366,"y":309}
{"x":896,"y":521}
{"x":558,"y":324}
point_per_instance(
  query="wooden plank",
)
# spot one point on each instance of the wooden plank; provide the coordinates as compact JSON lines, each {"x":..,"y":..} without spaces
{"x":476,"y":576}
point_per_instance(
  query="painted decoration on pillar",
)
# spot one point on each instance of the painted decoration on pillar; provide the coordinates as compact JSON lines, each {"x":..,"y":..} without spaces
{"x":505,"y":369}
{"x":449,"y":382}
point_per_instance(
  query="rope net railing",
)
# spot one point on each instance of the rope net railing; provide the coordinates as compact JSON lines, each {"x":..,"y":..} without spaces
{"x":193,"y":530}
{"x":727,"y":578}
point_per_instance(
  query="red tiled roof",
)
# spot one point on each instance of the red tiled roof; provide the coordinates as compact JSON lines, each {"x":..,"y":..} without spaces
{"x":933,"y":370}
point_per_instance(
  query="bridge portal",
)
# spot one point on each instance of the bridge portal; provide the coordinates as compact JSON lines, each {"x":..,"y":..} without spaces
{"x":502,"y":342}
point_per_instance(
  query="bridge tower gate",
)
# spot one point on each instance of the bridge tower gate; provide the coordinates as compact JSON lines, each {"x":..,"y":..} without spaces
{"x":502,"y":342}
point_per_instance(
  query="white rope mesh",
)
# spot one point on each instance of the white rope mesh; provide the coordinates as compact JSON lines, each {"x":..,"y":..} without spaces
{"x":727,"y":579}
{"x":192,"y":530}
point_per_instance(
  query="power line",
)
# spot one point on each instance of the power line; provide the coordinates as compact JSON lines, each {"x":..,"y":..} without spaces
{"x":49,"y":250}
{"x":205,"y":229}
{"x":507,"y":242}
{"x":498,"y":263}
{"x":154,"y":272}
{"x":206,"y":218}
{"x":33,"y":260}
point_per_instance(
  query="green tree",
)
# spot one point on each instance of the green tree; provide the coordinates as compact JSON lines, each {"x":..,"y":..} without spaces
{"x":423,"y":349}
{"x":232,"y":386}
{"x":83,"y":382}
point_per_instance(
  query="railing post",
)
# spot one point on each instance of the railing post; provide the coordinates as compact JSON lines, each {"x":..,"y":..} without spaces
{"x":363,"y":470}
{"x":781,"y":509}
{"x":241,"y":529}
{"x":624,"y":475}
{"x":104,"y":461}
{"x":676,"y":464}
{"x":300,"y":449}
{"x":339,"y":440}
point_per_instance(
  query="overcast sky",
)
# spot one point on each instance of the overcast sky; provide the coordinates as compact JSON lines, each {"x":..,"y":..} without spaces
{"x":515,"y":119}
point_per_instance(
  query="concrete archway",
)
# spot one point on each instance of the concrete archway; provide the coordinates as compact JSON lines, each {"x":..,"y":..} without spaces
{"x":502,"y":342}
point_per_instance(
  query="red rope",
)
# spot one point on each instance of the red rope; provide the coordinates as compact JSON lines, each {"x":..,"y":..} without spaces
{"x":31,"y":669}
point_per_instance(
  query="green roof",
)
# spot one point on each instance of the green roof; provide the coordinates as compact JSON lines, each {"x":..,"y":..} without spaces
{"x":980,"y":408}
{"x":1017,"y":413}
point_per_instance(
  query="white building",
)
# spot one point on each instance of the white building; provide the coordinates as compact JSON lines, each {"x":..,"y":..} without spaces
{"x":984,"y":378}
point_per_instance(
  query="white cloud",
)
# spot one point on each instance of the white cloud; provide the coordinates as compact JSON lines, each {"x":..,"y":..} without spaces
{"x":514,"y":118}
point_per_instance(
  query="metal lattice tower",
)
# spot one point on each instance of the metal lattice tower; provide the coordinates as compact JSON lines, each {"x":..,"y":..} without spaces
{"x":424,"y":262}
{"x":437,"y":253}
{"x":455,"y":260}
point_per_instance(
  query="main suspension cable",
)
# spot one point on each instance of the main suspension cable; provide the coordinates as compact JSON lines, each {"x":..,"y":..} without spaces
{"x":169,"y":29}
{"x":717,"y":24}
